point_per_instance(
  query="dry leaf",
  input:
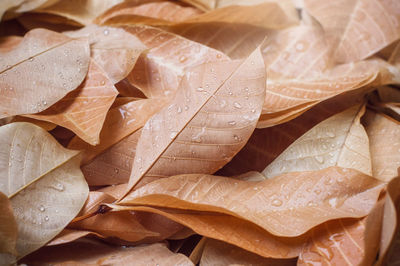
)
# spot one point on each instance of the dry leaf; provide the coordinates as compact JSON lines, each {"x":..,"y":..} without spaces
{"x":8,"y":43}
{"x":232,"y":230}
{"x":306,"y":199}
{"x":82,"y":11}
{"x":69,"y":235}
{"x":383,"y":133}
{"x":8,"y":229}
{"x":97,"y":253}
{"x":345,"y":242}
{"x":84,"y":110}
{"x":219,"y":253}
{"x":24,"y":87}
{"x":165,"y":11}
{"x":42,"y":180}
{"x":357,"y":29}
{"x":206,"y":124}
{"x":114,"y":50}
{"x":159,"y":71}
{"x":120,"y":122}
{"x":337,"y":141}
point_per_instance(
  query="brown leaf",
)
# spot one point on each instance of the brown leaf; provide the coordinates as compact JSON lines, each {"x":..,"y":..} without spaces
{"x":120,"y":122}
{"x":69,"y":235}
{"x":220,"y":253}
{"x":25,"y":88}
{"x":114,"y":50}
{"x":231,"y":230}
{"x":165,"y":11}
{"x":306,"y":199}
{"x":81,"y":11}
{"x":159,"y":71}
{"x":84,"y":110}
{"x":337,"y":141}
{"x":345,"y":241}
{"x":206,"y":124}
{"x":8,"y":229}
{"x":43,"y":181}
{"x":357,"y":29}
{"x":383,"y":133}
{"x":97,"y":253}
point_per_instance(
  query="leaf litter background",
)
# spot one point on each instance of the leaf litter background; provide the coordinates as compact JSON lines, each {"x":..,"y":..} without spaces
{"x":210,"y":132}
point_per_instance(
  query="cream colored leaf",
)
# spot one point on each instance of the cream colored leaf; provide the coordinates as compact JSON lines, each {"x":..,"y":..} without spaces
{"x":115,"y":50}
{"x":43,"y":68}
{"x":357,"y":28}
{"x":384,"y":139}
{"x":288,"y":205}
{"x":210,"y":119}
{"x":337,"y":141}
{"x":82,"y":11}
{"x":43,"y":181}
{"x":120,"y":122}
{"x":84,"y":110}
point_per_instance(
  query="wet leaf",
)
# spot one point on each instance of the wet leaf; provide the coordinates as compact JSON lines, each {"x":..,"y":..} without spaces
{"x":114,"y":50}
{"x":231,"y":230}
{"x":121,"y":121}
{"x":337,"y":141}
{"x":206,"y":124}
{"x":356,"y":28}
{"x":383,"y":133}
{"x":42,"y":180}
{"x":306,"y":199}
{"x":84,"y":110}
{"x":24,"y":88}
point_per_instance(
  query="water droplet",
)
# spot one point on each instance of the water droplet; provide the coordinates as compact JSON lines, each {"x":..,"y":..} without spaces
{"x":230,"y":93}
{"x":59,"y":187}
{"x":324,"y":147}
{"x":223,"y":103}
{"x":46,"y":218}
{"x":30,"y":59}
{"x":277,"y":202}
{"x":301,"y":46}
{"x":44,"y":102}
{"x":317,"y":191}
{"x":179,"y":110}
{"x":330,"y":134}
{"x":319,"y":159}
{"x":116,"y":170}
{"x":173,"y":134}
{"x":232,"y":123}
{"x":186,"y":107}
{"x":333,"y":202}
{"x":237,"y":105}
{"x":219,"y":55}
{"x":102,"y":82}
{"x":236,"y":137}
{"x":200,"y":89}
{"x":106,"y":32}
{"x":318,"y":91}
{"x":42,"y":208}
{"x":253,"y":110}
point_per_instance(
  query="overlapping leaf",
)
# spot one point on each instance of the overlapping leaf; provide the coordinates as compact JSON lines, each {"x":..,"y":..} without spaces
{"x":24,"y":88}
{"x":8,"y":231}
{"x":206,"y":124}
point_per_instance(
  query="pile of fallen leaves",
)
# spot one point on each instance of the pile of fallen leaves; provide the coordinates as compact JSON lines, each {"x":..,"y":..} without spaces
{"x":207,"y":132}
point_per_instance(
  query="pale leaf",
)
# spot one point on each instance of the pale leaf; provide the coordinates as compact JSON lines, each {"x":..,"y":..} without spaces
{"x":357,"y":28}
{"x":337,"y":141}
{"x":383,"y":133}
{"x":84,"y":110}
{"x":114,"y":50}
{"x":43,"y":68}
{"x":210,"y":119}
{"x":43,"y":181}
{"x":287,"y":205}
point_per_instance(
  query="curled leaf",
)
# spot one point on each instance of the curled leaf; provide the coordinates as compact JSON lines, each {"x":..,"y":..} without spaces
{"x":287,"y":205}
{"x":8,"y":229}
{"x":24,"y":88}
